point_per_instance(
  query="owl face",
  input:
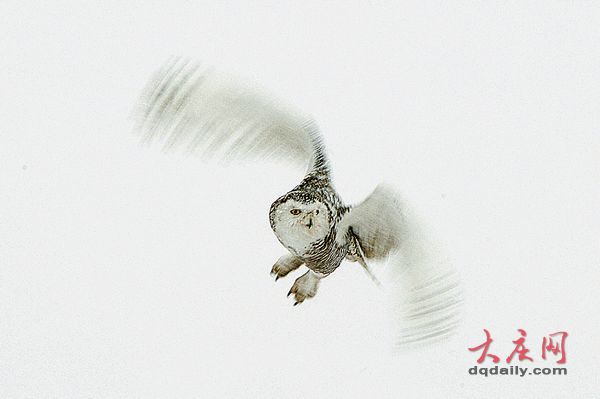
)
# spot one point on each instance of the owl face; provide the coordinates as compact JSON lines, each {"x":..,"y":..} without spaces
{"x":299,"y":224}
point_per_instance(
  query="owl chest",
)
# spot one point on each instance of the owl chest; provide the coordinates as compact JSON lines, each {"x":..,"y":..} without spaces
{"x":297,"y":240}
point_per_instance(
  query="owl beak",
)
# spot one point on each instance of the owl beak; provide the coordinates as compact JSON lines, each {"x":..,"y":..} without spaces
{"x":309,"y":222}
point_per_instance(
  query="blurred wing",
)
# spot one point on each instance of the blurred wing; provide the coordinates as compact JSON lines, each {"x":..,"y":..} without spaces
{"x":377,"y":222}
{"x":425,"y":289}
{"x":187,"y":105}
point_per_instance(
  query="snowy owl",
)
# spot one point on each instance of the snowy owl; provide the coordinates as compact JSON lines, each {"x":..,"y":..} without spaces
{"x":186,"y":104}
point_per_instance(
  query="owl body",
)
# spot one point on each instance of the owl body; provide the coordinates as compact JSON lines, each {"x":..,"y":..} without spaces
{"x":305,"y":221}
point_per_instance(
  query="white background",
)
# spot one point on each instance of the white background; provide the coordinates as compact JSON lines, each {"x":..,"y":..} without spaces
{"x":127,"y":273}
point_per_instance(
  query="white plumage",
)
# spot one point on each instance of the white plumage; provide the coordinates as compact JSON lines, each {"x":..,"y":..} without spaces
{"x":186,"y":105}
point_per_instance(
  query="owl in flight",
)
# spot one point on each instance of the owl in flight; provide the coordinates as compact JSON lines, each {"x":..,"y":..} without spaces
{"x":185,"y":104}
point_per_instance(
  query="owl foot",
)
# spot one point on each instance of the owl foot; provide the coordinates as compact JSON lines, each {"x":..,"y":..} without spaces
{"x":284,"y":265}
{"x":305,"y":287}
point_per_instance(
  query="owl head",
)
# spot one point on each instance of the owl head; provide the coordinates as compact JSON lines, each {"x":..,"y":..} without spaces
{"x":300,"y":220}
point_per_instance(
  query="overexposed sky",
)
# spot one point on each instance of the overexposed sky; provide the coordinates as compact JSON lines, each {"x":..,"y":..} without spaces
{"x":125,"y":272}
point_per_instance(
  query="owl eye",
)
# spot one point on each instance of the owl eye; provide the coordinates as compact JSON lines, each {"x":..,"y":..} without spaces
{"x":295,"y":211}
{"x":317,"y":212}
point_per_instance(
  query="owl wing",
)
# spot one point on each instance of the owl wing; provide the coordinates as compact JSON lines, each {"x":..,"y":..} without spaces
{"x":187,"y":105}
{"x":425,"y":289}
{"x":376,"y":222}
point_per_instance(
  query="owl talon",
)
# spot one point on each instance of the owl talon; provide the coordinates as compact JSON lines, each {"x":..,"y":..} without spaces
{"x":305,"y":287}
{"x":285,"y":265}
